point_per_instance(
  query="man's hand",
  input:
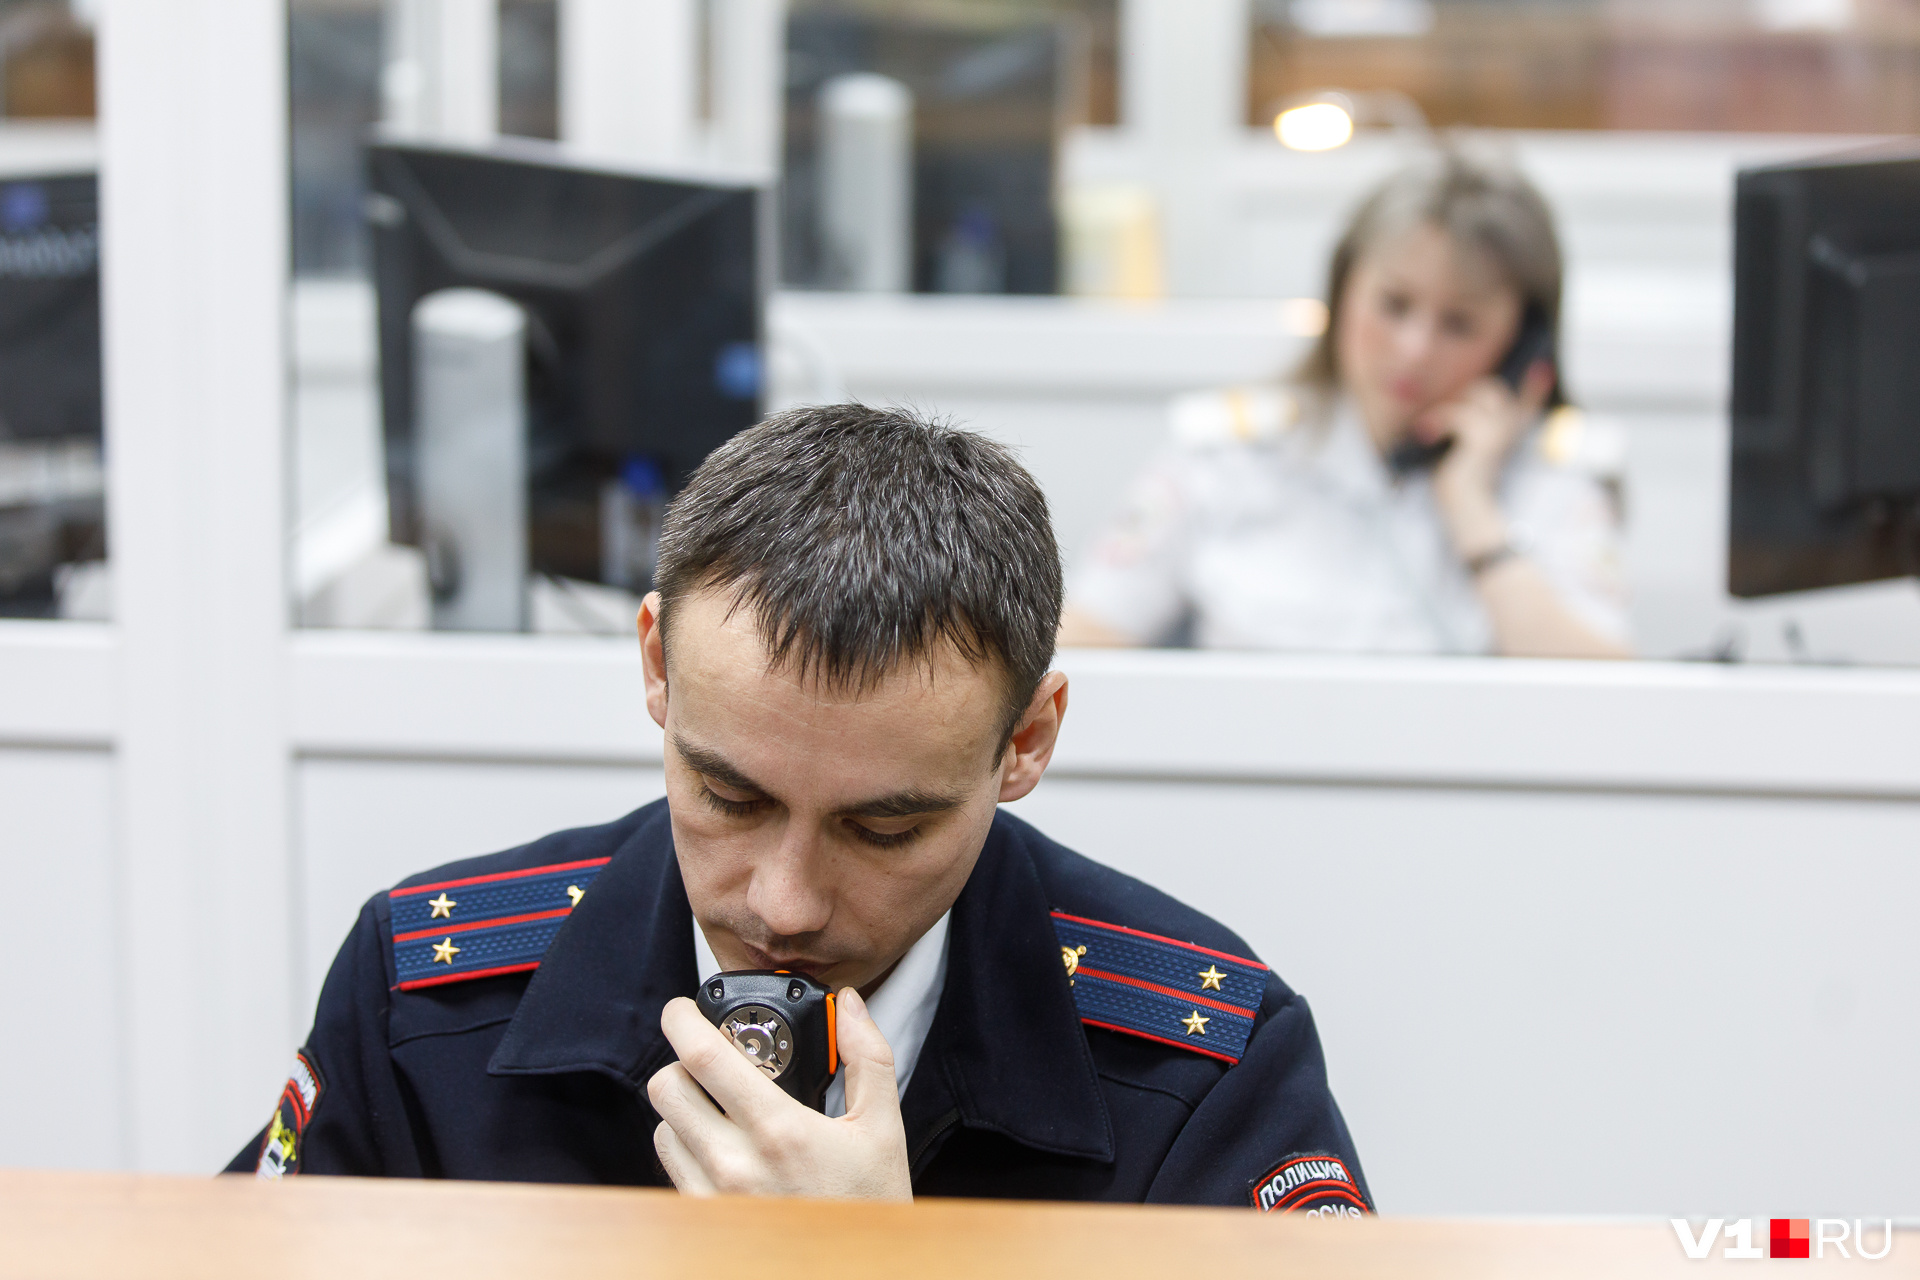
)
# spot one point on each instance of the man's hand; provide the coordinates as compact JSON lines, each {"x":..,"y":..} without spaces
{"x":765,"y":1143}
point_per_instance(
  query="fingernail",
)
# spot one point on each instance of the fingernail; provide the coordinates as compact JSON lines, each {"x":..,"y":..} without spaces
{"x":850,"y":1002}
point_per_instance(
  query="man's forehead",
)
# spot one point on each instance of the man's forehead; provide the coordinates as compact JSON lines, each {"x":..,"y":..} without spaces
{"x":715,"y":638}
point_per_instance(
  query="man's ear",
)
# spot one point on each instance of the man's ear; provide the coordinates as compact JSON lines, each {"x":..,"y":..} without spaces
{"x":1033,"y":739}
{"x":653,"y":658}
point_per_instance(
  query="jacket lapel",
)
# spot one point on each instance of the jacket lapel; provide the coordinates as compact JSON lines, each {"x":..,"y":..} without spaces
{"x":1007,"y":1052}
{"x":594,"y":1003}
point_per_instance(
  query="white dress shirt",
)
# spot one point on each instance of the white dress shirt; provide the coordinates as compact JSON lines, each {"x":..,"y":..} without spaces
{"x":902,"y":1008}
{"x":1263,"y":530}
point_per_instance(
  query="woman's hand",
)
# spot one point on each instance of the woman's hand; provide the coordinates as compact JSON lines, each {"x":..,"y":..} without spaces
{"x":1485,"y":421}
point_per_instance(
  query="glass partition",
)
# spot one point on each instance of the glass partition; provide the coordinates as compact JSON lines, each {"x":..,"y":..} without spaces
{"x":965,"y":217}
{"x":971,"y":102}
{"x":461,"y":174}
{"x":1715,"y":437}
{"x":358,"y":68}
{"x":53,"y":539}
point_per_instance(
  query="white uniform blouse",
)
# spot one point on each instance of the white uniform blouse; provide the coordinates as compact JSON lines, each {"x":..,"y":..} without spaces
{"x":1262,"y":530}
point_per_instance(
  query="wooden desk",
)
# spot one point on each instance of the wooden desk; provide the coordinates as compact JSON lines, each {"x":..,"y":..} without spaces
{"x":57,"y":1225}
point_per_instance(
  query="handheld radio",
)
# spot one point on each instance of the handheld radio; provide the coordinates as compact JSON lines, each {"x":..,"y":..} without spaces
{"x":781,"y":1022}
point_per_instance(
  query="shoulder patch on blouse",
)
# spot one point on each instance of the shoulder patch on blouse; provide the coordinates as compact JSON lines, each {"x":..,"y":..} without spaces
{"x":1161,"y":989}
{"x":480,"y":926}
{"x":280,"y":1151}
{"x":1318,"y":1185}
{"x":1238,"y":415}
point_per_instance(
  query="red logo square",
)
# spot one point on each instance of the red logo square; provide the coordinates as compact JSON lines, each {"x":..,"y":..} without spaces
{"x":1788,"y":1238}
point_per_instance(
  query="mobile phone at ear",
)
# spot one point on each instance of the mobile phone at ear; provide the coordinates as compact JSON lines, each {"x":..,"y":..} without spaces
{"x":1534,"y":343}
{"x":1411,"y":456}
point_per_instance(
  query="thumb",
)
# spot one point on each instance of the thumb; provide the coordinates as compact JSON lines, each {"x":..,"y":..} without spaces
{"x":871,"y":1088}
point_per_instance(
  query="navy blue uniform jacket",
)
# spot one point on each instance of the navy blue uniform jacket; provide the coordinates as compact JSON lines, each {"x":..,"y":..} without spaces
{"x":541,"y":1076}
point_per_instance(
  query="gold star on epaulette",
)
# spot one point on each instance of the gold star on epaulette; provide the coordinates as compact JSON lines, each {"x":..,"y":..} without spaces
{"x":1210,"y":978}
{"x":442,"y":906}
{"x":444,"y":952}
{"x":1195,"y":1024}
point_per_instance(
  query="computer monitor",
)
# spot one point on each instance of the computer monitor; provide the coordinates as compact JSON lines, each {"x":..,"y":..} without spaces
{"x":52,"y":492}
{"x":1825,"y":473}
{"x":990,"y":94}
{"x":643,"y":294}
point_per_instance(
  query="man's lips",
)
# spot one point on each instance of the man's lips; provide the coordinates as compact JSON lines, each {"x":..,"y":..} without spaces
{"x":792,"y":964}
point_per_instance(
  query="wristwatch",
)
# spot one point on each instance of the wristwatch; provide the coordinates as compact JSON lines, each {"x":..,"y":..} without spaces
{"x":1492,"y":557}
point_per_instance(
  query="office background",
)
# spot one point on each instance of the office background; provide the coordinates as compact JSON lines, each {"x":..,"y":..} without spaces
{"x":1582,"y":939}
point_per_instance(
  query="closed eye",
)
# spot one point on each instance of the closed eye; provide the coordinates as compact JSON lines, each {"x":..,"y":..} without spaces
{"x":883,"y":839}
{"x":732,"y":808}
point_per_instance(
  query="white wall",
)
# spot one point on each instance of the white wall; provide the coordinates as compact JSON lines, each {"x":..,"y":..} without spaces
{"x":1541,"y":1001}
{"x":62,"y":1098}
{"x":365,"y":824}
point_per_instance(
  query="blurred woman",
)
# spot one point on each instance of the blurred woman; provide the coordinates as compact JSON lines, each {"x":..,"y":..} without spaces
{"x":1404,"y":491}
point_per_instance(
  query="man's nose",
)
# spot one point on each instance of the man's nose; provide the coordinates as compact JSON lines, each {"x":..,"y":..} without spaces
{"x":788,"y":892}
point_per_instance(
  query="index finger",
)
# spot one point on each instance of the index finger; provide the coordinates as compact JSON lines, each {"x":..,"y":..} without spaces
{"x":741,"y":1089}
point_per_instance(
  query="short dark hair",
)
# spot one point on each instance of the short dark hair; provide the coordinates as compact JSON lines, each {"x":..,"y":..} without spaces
{"x":863,"y":537}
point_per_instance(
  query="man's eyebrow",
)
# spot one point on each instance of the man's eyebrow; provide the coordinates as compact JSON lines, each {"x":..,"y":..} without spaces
{"x":901,"y":804}
{"x":904,"y":804}
{"x":715,"y":766}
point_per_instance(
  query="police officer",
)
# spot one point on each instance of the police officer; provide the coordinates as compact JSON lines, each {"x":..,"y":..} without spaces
{"x":1403,"y":492}
{"x":849,"y":654}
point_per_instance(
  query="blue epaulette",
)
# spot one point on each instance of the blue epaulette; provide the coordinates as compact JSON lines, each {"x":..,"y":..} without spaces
{"x":483,"y":925}
{"x":1174,"y":992}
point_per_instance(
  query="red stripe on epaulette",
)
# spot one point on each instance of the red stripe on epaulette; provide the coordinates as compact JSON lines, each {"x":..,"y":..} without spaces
{"x":493,"y":923}
{"x":1185,"y":997}
{"x":500,"y":875}
{"x":443,"y":979}
{"x":1188,"y":1045}
{"x":1156,"y":937}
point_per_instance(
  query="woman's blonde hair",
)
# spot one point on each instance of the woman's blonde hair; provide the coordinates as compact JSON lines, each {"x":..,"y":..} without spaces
{"x":1483,"y":203}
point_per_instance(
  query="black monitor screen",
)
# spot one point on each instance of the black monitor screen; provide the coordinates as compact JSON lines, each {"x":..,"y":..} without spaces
{"x":49,"y":308}
{"x":643,"y":297}
{"x":1825,"y":481}
{"x":52,"y":503}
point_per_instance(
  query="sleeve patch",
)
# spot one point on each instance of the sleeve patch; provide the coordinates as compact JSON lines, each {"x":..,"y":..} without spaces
{"x":280,"y":1153}
{"x":1318,"y":1186}
{"x":483,"y":925}
{"x":1177,"y":993}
